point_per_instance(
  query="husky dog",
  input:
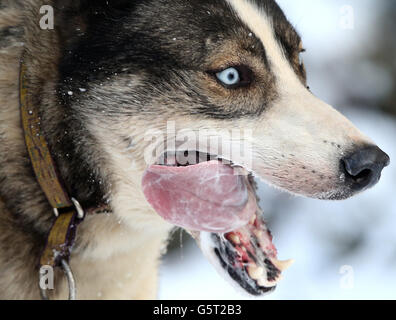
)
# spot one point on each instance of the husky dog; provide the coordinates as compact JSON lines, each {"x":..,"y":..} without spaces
{"x":109,"y":72}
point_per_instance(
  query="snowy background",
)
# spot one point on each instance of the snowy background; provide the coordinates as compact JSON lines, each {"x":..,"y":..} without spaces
{"x":343,"y":250}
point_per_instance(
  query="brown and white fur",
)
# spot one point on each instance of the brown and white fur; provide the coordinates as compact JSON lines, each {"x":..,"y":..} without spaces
{"x":149,"y":67}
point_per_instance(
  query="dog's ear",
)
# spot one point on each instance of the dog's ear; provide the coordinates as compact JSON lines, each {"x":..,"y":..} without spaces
{"x":70,"y":20}
{"x":110,"y":4}
{"x":73,"y":17}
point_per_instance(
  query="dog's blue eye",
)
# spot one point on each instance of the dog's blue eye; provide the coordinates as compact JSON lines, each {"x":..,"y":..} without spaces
{"x":229,"y":76}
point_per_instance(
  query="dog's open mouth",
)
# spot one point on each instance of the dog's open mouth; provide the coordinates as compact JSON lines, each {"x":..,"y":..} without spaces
{"x":216,"y":203}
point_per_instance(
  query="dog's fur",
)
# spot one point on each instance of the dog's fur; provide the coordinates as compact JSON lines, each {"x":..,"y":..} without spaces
{"x":141,"y":63}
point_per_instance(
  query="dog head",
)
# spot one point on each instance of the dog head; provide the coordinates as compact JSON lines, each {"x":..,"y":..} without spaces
{"x":215,"y":65}
{"x":158,"y":77}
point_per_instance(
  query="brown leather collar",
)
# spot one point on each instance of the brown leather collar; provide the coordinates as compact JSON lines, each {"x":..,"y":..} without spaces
{"x":67,"y":210}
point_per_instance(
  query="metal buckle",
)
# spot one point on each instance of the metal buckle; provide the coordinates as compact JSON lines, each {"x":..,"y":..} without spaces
{"x":63,"y":263}
{"x":77,"y":205}
{"x":70,"y":279}
{"x":80,"y":211}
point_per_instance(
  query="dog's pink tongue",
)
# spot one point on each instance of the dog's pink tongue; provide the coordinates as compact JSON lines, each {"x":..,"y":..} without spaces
{"x":205,"y":197}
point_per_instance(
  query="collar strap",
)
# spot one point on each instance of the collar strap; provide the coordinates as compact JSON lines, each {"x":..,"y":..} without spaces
{"x":43,"y":164}
{"x":67,"y":210}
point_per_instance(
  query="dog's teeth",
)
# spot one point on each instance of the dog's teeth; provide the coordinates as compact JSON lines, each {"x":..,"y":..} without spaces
{"x":265,"y":283}
{"x":235,"y":239}
{"x":259,"y":234}
{"x":195,"y":235}
{"x":239,"y":171}
{"x":283,"y":265}
{"x":262,"y":282}
{"x":255,"y":272}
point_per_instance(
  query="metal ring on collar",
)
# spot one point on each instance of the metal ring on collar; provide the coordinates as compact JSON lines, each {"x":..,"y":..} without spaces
{"x":80,"y":210}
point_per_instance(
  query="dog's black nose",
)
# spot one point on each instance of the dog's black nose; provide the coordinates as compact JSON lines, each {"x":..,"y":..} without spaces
{"x":364,"y":167}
